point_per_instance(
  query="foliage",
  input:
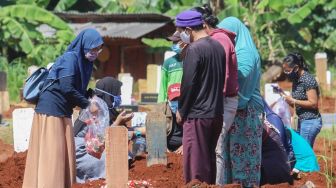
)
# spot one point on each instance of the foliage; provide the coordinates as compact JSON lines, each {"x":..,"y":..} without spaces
{"x":23,"y":42}
{"x":279,"y":27}
{"x":16,"y":74}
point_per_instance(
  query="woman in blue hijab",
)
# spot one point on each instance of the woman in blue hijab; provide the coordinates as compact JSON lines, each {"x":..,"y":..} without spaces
{"x":243,"y":142}
{"x":51,"y":153}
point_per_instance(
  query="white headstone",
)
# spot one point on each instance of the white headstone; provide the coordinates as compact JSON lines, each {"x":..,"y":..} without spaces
{"x":22,"y":123}
{"x":139,"y":119}
{"x":126,"y":88}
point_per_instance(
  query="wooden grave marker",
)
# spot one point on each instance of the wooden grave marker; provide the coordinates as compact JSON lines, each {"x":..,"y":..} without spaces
{"x":156,"y":138}
{"x":321,"y":69}
{"x":3,"y":81}
{"x":116,"y":146}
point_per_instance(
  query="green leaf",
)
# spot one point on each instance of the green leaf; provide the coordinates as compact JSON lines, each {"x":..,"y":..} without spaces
{"x":305,"y":34}
{"x":175,"y":10}
{"x":156,"y":43}
{"x":263,"y":4}
{"x":63,"y":5}
{"x":303,"y":12}
{"x":331,"y":41}
{"x":34,"y":13}
{"x":42,"y":3}
{"x":18,"y":31}
{"x":237,"y":11}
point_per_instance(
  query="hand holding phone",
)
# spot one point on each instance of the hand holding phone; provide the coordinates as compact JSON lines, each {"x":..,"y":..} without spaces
{"x":277,"y":89}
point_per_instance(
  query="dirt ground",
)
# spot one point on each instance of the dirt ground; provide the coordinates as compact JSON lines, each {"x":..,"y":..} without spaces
{"x":12,"y":169}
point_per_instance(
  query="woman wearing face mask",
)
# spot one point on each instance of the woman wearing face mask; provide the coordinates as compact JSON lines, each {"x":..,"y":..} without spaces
{"x":89,"y":167}
{"x":51,"y":153}
{"x":305,"y":94}
{"x":242,"y":144}
{"x":171,"y":76}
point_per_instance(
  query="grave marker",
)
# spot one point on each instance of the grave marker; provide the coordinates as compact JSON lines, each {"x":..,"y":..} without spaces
{"x":126,"y":88}
{"x":153,"y":78}
{"x":22,"y":123}
{"x":156,"y":139}
{"x":321,"y":69}
{"x":116,"y":146}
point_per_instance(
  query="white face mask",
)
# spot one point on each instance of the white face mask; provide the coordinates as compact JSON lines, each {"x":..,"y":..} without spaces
{"x":185,"y":37}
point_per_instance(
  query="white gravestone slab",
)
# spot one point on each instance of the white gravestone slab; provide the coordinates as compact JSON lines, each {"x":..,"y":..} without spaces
{"x":22,"y":123}
{"x":126,"y":88}
{"x":139,"y":119}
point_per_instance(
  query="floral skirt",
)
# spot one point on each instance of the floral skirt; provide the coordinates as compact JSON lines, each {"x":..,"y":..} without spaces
{"x":242,"y":145}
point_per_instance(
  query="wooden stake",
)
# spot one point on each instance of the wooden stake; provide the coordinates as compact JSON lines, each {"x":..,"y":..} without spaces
{"x":116,"y":144}
{"x":156,"y":139}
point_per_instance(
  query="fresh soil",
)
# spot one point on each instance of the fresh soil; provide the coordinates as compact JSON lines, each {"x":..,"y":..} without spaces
{"x":12,"y":170}
{"x":6,"y":151}
{"x":170,"y":176}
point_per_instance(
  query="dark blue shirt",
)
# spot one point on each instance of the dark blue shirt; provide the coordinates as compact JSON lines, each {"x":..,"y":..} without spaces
{"x":299,"y":92}
{"x":60,"y":98}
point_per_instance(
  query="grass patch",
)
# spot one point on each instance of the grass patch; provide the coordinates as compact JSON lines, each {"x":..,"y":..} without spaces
{"x":6,"y":133}
{"x":327,"y":133}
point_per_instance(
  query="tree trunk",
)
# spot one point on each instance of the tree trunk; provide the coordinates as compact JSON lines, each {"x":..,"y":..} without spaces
{"x":3,"y":81}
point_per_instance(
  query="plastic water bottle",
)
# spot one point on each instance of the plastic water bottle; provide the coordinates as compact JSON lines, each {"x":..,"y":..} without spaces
{"x":139,"y":146}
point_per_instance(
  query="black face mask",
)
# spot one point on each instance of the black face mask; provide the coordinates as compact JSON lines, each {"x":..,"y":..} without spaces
{"x":294,"y":75}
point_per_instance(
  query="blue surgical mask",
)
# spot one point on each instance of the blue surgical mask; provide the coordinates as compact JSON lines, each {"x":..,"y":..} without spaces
{"x":117,"y":101}
{"x":116,"y":98}
{"x":176,"y":48}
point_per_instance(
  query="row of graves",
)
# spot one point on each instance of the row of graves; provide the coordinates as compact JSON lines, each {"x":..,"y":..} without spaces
{"x":147,"y":112}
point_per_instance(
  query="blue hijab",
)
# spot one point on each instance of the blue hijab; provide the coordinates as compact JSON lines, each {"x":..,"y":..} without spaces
{"x":73,"y":61}
{"x":248,"y":63}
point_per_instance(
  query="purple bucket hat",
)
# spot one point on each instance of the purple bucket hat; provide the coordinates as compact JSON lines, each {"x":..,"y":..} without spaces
{"x":189,"y":18}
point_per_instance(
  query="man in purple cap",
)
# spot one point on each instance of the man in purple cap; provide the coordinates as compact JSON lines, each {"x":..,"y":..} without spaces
{"x":201,"y":99}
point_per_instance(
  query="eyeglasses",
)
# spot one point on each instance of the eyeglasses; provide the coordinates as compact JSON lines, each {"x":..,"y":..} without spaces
{"x":98,"y":51}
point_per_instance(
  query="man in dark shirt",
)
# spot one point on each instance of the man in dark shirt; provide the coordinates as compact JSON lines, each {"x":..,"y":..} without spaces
{"x":201,"y":100}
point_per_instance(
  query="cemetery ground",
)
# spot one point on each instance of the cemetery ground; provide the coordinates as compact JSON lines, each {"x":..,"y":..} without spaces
{"x":12,"y":164}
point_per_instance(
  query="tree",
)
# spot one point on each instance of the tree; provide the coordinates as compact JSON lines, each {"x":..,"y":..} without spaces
{"x":23,"y":43}
{"x":279,"y":27}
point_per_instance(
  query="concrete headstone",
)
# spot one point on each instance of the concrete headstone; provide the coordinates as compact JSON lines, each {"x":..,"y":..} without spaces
{"x":126,"y":88}
{"x":139,"y":119}
{"x":22,"y":123}
{"x":153,"y":78}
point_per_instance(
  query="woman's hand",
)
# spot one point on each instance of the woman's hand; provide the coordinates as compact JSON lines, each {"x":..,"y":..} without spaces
{"x":123,"y":118}
{"x":94,"y":108}
{"x":179,"y":150}
{"x":178,"y":118}
{"x":289,"y":99}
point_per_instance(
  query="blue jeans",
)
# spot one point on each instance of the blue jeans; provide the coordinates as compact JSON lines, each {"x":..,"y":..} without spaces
{"x":309,"y":129}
